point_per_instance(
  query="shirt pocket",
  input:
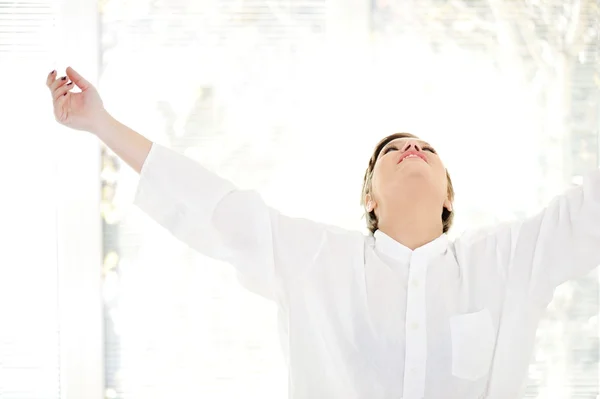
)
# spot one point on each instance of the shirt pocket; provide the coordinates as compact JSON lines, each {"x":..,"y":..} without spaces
{"x":472,"y":344}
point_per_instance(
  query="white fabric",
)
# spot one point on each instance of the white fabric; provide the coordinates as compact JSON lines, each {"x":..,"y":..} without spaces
{"x":364,"y":316}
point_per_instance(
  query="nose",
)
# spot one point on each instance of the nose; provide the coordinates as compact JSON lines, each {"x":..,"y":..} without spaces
{"x":412,"y":145}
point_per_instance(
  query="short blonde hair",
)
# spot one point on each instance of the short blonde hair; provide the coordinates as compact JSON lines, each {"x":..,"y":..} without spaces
{"x":372,"y":222}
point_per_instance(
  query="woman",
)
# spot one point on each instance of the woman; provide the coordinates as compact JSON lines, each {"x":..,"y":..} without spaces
{"x":401,"y":313}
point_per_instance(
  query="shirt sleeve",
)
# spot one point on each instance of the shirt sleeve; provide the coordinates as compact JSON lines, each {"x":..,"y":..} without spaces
{"x":560,"y":243}
{"x":218,"y":220}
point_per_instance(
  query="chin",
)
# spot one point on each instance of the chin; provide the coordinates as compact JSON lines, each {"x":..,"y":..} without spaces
{"x":414,"y":181}
{"x":418,"y":173}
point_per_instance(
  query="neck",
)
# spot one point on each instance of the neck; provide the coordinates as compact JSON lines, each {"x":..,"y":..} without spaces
{"x":412,"y":227}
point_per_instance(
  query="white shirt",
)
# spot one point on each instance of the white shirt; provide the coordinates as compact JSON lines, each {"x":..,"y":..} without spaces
{"x":366,"y":317}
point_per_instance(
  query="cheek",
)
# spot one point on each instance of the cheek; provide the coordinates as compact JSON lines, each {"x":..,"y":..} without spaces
{"x":375,"y":183}
{"x":439,"y":171}
{"x":379,"y":181}
{"x":443,"y":180}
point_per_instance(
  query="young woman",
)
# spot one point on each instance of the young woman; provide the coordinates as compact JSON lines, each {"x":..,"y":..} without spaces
{"x":402,"y":312}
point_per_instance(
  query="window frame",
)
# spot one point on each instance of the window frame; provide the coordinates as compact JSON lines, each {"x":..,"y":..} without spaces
{"x":79,"y":227}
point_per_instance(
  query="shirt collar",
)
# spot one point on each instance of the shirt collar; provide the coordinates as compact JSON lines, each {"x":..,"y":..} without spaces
{"x":392,"y":248}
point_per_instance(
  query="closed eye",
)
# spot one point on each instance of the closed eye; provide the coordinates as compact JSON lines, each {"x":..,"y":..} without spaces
{"x":396,"y":149}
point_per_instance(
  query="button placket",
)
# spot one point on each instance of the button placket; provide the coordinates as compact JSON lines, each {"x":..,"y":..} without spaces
{"x":416,"y":332}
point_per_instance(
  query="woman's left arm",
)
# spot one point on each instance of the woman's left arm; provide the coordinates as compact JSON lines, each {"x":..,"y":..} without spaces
{"x":560,"y":243}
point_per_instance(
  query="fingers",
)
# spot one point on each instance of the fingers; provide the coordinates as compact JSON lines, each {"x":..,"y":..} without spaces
{"x":60,"y":87}
{"x":63,"y":91}
{"x":56,"y":84}
{"x":50,"y":78}
{"x":61,"y":110}
{"x":61,"y":101}
{"x":53,"y":83}
{"x":78,"y":79}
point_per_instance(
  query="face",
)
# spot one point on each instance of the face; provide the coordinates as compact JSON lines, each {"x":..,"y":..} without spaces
{"x":405,"y":166}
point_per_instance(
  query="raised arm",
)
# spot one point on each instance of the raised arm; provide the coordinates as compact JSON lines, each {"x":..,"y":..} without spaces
{"x":196,"y":205}
{"x":85,"y":111}
{"x":219,"y":220}
{"x":560,"y":243}
{"x":129,"y":145}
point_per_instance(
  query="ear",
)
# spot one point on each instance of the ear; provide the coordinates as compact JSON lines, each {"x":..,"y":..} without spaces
{"x":448,"y":205}
{"x":370,"y":203}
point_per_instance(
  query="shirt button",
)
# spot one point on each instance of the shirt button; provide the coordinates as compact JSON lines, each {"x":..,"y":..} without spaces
{"x":414,"y":326}
{"x":415,"y":283}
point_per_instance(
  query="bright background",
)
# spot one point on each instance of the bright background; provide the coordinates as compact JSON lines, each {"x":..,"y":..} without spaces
{"x":288,"y":97}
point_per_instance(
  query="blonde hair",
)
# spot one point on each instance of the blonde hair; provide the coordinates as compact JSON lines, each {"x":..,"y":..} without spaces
{"x":372,"y":222}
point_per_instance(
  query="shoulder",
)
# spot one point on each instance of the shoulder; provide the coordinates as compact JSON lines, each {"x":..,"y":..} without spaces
{"x":342,"y":236}
{"x":342,"y":243}
{"x":489,"y":239}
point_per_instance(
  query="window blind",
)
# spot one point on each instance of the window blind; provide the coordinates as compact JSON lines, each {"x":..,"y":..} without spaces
{"x":24,"y":27}
{"x":29,"y":331}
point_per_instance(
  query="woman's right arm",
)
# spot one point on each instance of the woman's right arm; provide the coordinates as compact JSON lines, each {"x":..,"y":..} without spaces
{"x":200,"y":208}
{"x":85,"y":111}
{"x":129,"y":145}
{"x":211,"y":215}
{"x":215,"y":218}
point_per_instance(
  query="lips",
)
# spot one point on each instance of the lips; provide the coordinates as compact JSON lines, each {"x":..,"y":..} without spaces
{"x":412,"y":154}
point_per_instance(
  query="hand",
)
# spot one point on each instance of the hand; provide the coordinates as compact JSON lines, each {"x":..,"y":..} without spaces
{"x":79,"y":111}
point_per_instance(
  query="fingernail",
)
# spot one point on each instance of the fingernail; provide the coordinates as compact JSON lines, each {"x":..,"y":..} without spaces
{"x":65,"y":94}
{"x":69,"y":84}
{"x":63,"y":78}
{"x":53,"y":72}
